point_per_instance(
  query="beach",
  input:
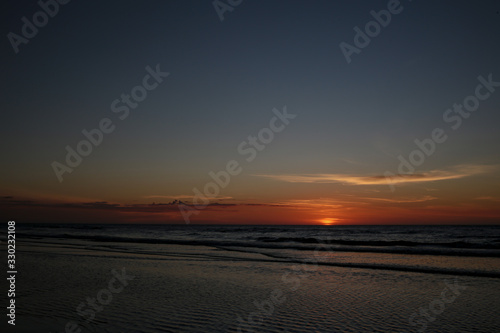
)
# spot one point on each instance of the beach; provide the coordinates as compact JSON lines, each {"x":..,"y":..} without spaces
{"x":147,"y":287}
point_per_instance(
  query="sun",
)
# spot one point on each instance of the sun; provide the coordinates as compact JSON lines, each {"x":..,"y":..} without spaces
{"x":329,"y":220}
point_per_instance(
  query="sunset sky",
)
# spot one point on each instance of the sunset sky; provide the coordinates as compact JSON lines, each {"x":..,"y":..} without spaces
{"x":349,"y":124}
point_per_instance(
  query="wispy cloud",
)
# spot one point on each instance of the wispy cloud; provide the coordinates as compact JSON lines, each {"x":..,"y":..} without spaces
{"x":456,"y":172}
{"x":182,"y":197}
{"x":343,"y":201}
{"x":173,"y":197}
{"x":170,"y":207}
{"x":489,"y":199}
{"x":403,"y":200}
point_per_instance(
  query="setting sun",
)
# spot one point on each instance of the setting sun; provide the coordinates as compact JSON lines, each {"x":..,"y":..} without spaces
{"x":329,"y":220}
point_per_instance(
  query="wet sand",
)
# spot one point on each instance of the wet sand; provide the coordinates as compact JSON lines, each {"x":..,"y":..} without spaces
{"x":203,"y":289}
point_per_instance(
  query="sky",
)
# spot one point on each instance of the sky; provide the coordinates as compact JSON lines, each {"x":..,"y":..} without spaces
{"x":250,"y":112}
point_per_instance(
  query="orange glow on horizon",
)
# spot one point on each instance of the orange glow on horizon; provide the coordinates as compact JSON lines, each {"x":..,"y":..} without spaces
{"x":329,"y":221}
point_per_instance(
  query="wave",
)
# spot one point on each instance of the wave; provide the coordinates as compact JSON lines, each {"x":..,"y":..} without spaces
{"x":308,"y":264}
{"x":459,"y":248}
{"x":456,"y":244}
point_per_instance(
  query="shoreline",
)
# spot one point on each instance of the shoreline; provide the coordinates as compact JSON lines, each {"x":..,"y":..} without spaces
{"x":205,"y":290}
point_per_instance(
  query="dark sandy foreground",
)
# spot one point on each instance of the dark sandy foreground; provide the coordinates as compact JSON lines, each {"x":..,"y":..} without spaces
{"x":202,"y":289}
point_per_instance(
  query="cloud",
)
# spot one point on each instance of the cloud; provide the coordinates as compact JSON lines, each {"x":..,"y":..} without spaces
{"x":344,"y":201}
{"x":456,"y":172}
{"x":313,"y":203}
{"x":403,"y":200}
{"x":170,"y":207}
{"x":489,"y":199}
{"x":93,"y":205}
{"x":182,"y":197}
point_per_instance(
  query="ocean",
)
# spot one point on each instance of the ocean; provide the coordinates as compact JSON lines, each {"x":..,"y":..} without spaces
{"x":249,"y":278}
